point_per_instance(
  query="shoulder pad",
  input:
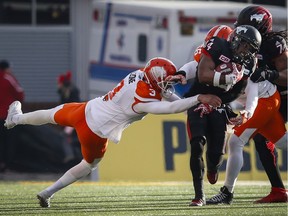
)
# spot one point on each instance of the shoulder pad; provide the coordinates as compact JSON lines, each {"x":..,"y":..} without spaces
{"x":145,"y":93}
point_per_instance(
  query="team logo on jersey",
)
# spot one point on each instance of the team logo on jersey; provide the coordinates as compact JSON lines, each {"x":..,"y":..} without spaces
{"x":224,"y":59}
{"x":241,"y":28}
{"x":258,"y":17}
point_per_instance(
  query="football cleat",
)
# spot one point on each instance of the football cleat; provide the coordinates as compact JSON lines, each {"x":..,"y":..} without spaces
{"x":223,"y":197}
{"x":212,"y":176}
{"x":44,"y":199}
{"x":198,"y":202}
{"x":14,"y":109}
{"x":275,"y":196}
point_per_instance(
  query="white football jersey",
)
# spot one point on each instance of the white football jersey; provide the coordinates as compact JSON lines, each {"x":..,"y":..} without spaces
{"x":254,"y":91}
{"x":109,"y":115}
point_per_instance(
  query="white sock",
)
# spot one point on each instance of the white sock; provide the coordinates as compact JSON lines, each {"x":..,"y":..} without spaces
{"x":234,"y":162}
{"x":75,"y":173}
{"x":38,"y":117}
{"x":282,"y":142}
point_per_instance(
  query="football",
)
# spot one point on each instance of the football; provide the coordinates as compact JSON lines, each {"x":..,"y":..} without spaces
{"x":228,"y":68}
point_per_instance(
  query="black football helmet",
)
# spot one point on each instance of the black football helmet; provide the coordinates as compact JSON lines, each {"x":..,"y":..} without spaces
{"x":245,"y":42}
{"x":256,"y":16}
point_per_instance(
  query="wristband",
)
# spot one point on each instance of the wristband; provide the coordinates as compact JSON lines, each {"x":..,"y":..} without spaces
{"x":216,"y":78}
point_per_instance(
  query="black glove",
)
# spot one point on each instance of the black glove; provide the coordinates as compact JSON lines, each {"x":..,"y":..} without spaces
{"x":181,"y":72}
{"x":261,"y":74}
{"x":250,"y":66}
{"x":229,"y":111}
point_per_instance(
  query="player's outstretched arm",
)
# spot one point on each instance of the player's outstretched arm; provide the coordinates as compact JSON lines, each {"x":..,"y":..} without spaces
{"x":166,"y":107}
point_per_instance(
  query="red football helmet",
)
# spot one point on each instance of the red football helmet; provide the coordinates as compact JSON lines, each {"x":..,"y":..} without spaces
{"x":221,"y":31}
{"x":256,"y":16}
{"x":156,"y":71}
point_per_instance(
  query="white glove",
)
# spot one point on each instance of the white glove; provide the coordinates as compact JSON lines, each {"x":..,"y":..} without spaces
{"x":235,"y":76}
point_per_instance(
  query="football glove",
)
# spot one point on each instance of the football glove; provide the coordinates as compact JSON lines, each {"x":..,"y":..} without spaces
{"x":204,"y":109}
{"x":179,"y":77}
{"x":264,"y":73}
{"x":241,"y":119}
{"x":235,"y":76}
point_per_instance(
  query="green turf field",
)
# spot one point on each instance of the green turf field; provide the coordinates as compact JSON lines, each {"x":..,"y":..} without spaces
{"x":124,"y":198}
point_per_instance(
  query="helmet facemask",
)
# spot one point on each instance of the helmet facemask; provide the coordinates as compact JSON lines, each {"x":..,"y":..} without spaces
{"x":245,"y":42}
{"x":243,"y":51}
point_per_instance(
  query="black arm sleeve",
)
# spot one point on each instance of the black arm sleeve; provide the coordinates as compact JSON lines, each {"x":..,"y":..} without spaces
{"x":181,"y":72}
{"x":233,"y":93}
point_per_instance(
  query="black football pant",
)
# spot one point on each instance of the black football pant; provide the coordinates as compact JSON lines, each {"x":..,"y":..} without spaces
{"x":210,"y":130}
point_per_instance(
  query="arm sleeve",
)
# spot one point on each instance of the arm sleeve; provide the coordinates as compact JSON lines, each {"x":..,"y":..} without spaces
{"x":166,"y":107}
{"x":173,"y":97}
{"x":190,"y":69}
{"x":252,"y":97}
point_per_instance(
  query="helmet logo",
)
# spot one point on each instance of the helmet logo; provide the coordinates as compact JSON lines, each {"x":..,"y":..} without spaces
{"x":241,"y":28}
{"x":257,"y":17}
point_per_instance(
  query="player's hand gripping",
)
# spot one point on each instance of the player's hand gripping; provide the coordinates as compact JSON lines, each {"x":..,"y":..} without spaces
{"x":264,"y":73}
{"x":204,"y":109}
{"x":241,"y":119}
{"x":178,"y":77}
{"x":236,"y":75}
{"x":212,"y":100}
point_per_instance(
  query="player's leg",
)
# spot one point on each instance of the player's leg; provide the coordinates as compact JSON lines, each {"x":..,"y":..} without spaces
{"x":267,"y":155}
{"x":93,"y":149}
{"x":233,"y":167}
{"x":39,"y":117}
{"x":215,"y":144}
{"x":196,"y":127}
{"x":242,"y":134}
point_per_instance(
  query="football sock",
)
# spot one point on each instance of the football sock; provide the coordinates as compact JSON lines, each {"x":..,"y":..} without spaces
{"x":38,"y":117}
{"x":234,"y":162}
{"x":75,"y":173}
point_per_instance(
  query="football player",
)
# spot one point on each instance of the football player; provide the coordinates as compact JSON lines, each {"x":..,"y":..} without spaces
{"x":241,"y":47}
{"x":104,"y":118}
{"x":272,"y":67}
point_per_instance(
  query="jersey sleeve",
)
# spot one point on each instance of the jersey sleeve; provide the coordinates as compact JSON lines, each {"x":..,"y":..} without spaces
{"x":275,"y":46}
{"x":198,"y":52}
{"x":217,"y":49}
{"x":145,"y":93}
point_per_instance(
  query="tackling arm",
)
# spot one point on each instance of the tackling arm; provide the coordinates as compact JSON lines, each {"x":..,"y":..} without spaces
{"x":166,"y":107}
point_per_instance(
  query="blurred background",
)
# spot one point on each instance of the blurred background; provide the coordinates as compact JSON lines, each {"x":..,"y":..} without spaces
{"x":98,"y":43}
